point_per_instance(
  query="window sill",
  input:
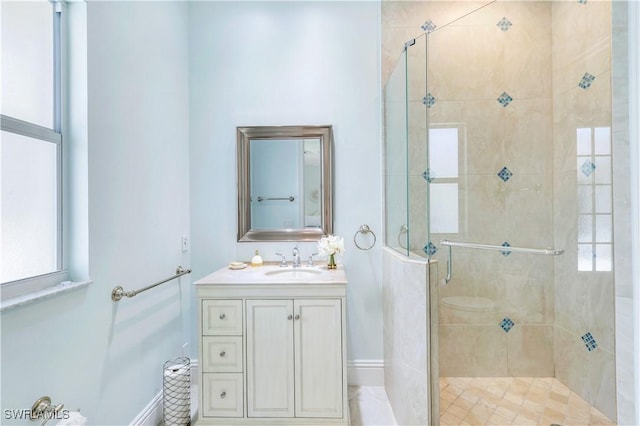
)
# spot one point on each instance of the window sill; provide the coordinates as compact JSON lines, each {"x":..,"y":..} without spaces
{"x":63,"y":287}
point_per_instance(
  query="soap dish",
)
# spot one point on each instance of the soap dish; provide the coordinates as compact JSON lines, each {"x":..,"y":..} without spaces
{"x":237,"y":265}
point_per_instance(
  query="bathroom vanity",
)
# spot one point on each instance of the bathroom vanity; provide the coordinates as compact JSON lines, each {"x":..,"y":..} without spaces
{"x":272,"y":346}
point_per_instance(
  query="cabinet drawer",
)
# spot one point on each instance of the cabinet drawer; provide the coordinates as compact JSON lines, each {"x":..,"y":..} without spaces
{"x":222,"y":317}
{"x":222,"y":354}
{"x":222,"y":395}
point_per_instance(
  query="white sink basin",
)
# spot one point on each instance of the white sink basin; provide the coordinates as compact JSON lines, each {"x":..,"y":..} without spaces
{"x":293,"y":272}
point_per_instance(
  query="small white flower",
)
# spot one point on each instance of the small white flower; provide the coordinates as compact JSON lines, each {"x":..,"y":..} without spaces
{"x":331,"y":244}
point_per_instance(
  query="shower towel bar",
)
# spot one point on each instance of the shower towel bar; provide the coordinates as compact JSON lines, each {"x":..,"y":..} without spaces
{"x":546,"y":251}
{"x":118,"y":292}
{"x":290,"y":198}
{"x":504,"y":249}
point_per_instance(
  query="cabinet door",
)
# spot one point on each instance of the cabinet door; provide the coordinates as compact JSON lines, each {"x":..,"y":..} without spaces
{"x":269,"y":358}
{"x":318,"y":358}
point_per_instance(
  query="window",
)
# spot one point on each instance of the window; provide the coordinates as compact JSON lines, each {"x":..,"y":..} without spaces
{"x":31,"y":143}
{"x":595,"y":204}
{"x":444,"y":176}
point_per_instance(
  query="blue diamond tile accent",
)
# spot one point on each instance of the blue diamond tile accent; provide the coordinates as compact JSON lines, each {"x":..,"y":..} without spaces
{"x":504,"y":24}
{"x":429,"y":100}
{"x":587,"y":168}
{"x":505,"y":99}
{"x":428,"y":26}
{"x":428,"y":176}
{"x":589,"y":342}
{"x":582,"y":1}
{"x":505,"y":174}
{"x":506,"y":253}
{"x":507,"y":324}
{"x":430,"y":249}
{"x":586,"y":80}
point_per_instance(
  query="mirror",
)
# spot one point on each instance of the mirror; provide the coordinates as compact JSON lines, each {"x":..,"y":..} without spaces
{"x":285,"y":183}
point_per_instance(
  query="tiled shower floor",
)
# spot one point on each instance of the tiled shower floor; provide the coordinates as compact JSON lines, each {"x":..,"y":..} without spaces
{"x":513,"y":401}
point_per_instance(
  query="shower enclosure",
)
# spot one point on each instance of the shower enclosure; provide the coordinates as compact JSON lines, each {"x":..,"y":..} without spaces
{"x":498,"y":134}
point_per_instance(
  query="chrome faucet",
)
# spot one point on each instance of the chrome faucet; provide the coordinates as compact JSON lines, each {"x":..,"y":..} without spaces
{"x":296,"y":257}
{"x":283,"y":262}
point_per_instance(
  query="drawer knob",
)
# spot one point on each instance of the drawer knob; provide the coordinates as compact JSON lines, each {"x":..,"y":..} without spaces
{"x":297,"y":316}
{"x":223,"y":353}
{"x":222,"y":316}
{"x":223,"y":395}
{"x":290,"y":317}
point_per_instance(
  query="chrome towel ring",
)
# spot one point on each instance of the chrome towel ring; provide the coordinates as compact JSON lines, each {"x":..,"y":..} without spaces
{"x":364,"y":230}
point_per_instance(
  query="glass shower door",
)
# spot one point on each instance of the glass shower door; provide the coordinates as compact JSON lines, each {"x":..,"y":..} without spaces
{"x":395,"y":134}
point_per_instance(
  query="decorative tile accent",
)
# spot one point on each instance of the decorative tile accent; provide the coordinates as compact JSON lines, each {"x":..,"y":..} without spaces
{"x":506,"y":253}
{"x":505,"y":99}
{"x":586,"y":80}
{"x":587,"y":168}
{"x":507,"y":324}
{"x":428,"y":176}
{"x":429,"y":100}
{"x":589,"y":341}
{"x":582,"y":1}
{"x":504,"y":24}
{"x":505,"y":174}
{"x":430,"y":249}
{"x":428,"y":26}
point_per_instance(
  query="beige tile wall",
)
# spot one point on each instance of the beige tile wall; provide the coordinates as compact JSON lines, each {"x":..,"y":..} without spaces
{"x":471,"y":63}
{"x":406,"y":357}
{"x":584,"y":301}
{"x":538,"y":62}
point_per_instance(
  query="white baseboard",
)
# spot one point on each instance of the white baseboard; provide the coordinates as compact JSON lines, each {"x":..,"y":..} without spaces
{"x":151,"y":415}
{"x":365,"y":372}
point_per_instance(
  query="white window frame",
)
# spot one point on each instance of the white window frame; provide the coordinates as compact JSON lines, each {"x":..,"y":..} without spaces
{"x":458,"y":180}
{"x":29,"y":285}
{"x":592,"y":212}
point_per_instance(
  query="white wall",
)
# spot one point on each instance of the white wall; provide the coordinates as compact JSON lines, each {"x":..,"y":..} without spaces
{"x":286,"y":63}
{"x":242,"y":64}
{"x":80,"y":348}
{"x":634,"y":138}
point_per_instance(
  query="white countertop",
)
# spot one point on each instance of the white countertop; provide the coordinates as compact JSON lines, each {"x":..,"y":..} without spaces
{"x":274,"y":274}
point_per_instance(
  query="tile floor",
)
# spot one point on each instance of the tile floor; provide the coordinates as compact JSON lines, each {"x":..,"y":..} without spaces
{"x":513,"y":401}
{"x":493,"y":401}
{"x":369,"y":406}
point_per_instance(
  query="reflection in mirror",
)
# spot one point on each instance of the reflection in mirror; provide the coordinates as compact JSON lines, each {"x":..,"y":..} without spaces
{"x":284,"y":183}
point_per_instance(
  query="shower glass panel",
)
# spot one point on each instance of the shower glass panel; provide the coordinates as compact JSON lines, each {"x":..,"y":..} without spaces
{"x":508,"y":143}
{"x":407,"y":170}
{"x":396,"y":176}
{"x":418,"y":169}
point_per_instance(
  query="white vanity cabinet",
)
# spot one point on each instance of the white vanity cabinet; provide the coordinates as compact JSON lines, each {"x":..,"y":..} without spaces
{"x":273,"y":347}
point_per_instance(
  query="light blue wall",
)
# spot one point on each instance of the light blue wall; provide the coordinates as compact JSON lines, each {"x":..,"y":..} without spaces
{"x":158,"y":89}
{"x":286,"y":63}
{"x":81,"y":348}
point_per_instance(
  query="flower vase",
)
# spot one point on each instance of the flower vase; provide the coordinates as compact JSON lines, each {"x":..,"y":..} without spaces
{"x":332,"y":262}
